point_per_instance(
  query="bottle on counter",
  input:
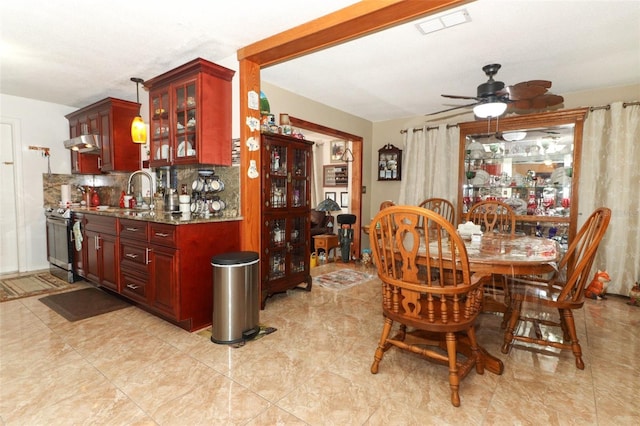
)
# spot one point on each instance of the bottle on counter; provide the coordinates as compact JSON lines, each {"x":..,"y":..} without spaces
{"x":95,"y":198}
{"x":122,"y":206}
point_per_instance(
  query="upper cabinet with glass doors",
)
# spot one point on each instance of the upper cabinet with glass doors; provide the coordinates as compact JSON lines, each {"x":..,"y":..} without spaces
{"x":532,"y":163}
{"x":190,"y":110}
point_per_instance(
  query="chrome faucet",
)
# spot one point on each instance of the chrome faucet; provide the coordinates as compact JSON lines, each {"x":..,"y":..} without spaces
{"x":151,"y":184}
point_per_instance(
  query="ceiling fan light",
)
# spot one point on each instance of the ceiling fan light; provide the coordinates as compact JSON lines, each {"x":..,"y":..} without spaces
{"x":491,"y":109}
{"x":138,"y":130}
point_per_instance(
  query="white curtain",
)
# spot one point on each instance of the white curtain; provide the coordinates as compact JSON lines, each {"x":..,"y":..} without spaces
{"x":610,"y":177}
{"x":430,"y":164}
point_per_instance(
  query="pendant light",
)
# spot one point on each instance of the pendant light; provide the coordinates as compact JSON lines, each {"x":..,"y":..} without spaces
{"x":138,"y":128}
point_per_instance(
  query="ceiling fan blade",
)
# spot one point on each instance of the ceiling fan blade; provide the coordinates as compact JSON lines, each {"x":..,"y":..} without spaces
{"x":452,"y":109}
{"x":547,"y":100}
{"x":525,"y":91}
{"x":460,"y":97}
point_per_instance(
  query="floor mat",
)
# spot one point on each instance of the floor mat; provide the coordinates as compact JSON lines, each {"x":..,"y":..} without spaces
{"x":82,"y":304}
{"x":31,"y":285}
{"x":341,"y":279}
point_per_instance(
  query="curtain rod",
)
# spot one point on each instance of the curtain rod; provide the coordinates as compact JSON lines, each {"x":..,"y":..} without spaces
{"x":594,"y":108}
{"x":607,"y":107}
{"x":420,"y":129}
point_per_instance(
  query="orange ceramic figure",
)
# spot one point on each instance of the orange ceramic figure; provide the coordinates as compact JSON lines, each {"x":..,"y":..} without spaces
{"x":598,"y":286}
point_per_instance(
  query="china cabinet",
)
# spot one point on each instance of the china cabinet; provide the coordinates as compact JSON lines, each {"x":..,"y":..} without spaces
{"x":286,"y":172}
{"x":532,"y":163}
{"x":190,"y":109}
{"x":389,"y":163}
{"x":110,"y":119}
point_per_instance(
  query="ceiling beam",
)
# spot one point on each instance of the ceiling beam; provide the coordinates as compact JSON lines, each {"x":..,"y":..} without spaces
{"x":351,"y":22}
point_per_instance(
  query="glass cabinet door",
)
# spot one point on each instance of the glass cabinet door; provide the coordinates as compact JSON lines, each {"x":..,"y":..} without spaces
{"x":160,"y":145}
{"x":297,"y":244}
{"x":185,"y":123}
{"x":300,"y":180}
{"x":277,"y":178}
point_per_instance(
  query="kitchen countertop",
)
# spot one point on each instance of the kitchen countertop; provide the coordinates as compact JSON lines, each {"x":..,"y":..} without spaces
{"x":151,"y":216}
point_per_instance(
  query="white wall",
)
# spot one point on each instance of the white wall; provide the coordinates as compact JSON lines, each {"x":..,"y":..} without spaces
{"x":40,"y":124}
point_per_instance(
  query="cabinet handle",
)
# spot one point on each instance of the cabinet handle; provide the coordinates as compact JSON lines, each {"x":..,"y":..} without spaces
{"x":97,"y":240}
{"x":133,"y":287}
{"x":132,"y":229}
{"x":99,"y":163}
{"x":131,"y":255}
{"x":161,"y":234}
{"x":148,"y":258}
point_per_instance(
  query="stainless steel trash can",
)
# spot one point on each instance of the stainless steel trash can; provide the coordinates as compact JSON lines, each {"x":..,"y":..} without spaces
{"x":236,"y":297}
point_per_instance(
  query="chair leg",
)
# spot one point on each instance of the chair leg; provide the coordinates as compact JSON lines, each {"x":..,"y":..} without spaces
{"x":575,"y":345}
{"x":454,"y":379}
{"x":380,"y":350}
{"x":476,"y":352}
{"x":513,"y":321}
{"x":566,"y":336}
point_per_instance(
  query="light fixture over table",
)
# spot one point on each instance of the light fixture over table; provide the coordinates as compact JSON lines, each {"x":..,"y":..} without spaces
{"x":138,"y":128}
{"x":493,"y":108}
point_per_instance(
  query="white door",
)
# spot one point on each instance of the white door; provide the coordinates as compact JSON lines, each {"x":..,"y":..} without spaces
{"x":8,"y":217}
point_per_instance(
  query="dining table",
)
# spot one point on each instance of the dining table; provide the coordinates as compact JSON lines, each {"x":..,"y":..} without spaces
{"x":506,"y":254}
{"x":503,"y":254}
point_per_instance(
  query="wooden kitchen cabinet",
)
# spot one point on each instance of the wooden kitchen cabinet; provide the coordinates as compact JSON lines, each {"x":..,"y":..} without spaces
{"x":190,"y":109}
{"x":102,"y":250}
{"x":111,"y":120}
{"x":532,"y":162}
{"x":286,"y":203}
{"x":167,"y":270}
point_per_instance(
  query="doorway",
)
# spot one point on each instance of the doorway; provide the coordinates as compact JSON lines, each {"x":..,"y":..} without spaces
{"x":355,"y":201}
{"x":9,"y":261}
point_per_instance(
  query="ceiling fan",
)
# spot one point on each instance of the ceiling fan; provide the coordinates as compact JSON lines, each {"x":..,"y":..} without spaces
{"x":519,"y":98}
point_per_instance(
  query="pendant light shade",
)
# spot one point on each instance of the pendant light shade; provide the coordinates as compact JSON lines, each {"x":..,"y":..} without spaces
{"x":138,"y":127}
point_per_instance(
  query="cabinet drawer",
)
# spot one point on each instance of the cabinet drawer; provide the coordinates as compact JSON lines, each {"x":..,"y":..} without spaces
{"x":134,"y":255}
{"x":104,"y":224}
{"x":162,"y":234}
{"x":134,"y":230}
{"x":134,"y":286}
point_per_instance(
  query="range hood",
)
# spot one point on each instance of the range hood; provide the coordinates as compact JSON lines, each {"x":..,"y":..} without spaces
{"x":86,"y":144}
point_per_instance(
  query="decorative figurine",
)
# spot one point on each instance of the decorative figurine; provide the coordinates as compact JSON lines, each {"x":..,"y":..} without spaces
{"x":598,"y":287}
{"x":345,"y":236}
{"x":634,"y":295}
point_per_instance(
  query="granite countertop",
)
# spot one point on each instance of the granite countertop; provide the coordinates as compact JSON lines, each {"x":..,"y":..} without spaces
{"x":152,"y":216}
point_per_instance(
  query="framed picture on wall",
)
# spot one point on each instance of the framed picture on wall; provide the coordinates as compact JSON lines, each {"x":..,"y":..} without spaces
{"x":331,"y":195}
{"x":344,"y":199}
{"x":335,"y":175}
{"x":337,"y":149}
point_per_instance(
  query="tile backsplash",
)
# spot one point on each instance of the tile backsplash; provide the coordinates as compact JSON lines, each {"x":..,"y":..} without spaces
{"x":109,"y":186}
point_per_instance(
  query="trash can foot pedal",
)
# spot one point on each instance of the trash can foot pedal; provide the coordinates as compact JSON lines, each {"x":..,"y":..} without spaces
{"x":251,"y":333}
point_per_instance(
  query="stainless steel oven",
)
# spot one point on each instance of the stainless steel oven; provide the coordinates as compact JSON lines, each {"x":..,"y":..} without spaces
{"x":59,"y":243}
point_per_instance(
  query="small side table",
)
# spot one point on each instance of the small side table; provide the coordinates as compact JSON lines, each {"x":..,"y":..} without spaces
{"x":327,"y":242}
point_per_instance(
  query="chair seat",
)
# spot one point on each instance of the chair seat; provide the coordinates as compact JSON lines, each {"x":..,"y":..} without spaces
{"x":541,"y":292}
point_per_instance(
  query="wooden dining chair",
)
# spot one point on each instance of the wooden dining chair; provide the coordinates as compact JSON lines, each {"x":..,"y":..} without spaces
{"x":439,"y":313}
{"x":441,"y":206}
{"x":564,"y":291}
{"x":493,"y":215}
{"x":385,"y":204}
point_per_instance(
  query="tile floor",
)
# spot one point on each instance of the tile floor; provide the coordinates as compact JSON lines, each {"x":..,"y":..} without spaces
{"x":131,"y":368}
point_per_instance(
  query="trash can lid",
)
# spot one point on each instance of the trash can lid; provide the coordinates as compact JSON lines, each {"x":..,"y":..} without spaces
{"x":235,"y":258}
